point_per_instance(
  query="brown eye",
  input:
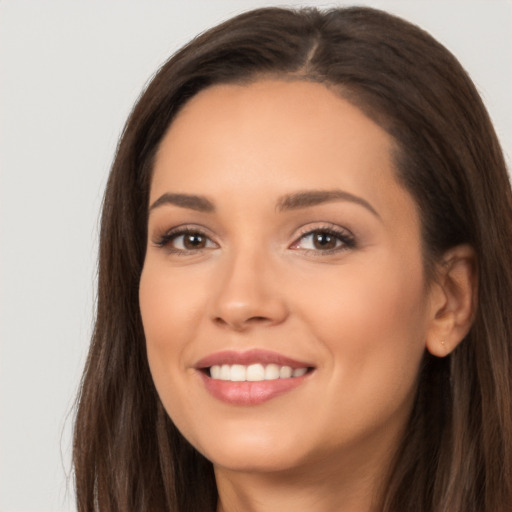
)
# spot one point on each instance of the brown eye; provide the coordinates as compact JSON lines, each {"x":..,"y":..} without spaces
{"x":185,"y":241}
{"x":193,"y":241}
{"x":324,"y":241}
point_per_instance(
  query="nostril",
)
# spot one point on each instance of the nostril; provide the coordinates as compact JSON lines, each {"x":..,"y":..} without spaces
{"x":242,"y":323}
{"x":258,"y":319}
{"x":241,"y":315}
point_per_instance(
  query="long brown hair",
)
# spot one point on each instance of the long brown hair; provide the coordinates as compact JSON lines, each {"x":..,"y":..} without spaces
{"x":457,"y":452}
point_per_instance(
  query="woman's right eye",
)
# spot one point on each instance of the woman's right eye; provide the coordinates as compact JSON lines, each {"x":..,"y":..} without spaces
{"x":186,"y":241}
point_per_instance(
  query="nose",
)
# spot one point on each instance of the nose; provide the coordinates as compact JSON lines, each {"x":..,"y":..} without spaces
{"x":247,"y":294}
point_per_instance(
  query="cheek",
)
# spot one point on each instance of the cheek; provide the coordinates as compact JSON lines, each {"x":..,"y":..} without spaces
{"x":171,"y":309}
{"x":373,"y":324}
{"x":379,"y":296}
{"x":170,"y":303}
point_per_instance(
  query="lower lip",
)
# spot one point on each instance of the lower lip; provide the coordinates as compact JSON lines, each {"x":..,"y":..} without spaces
{"x":250,"y":393}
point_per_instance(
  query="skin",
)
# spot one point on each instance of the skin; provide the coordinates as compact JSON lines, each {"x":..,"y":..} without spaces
{"x":361,"y":314}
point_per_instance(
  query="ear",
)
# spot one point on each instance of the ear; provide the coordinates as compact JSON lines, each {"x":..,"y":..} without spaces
{"x":453,"y":300}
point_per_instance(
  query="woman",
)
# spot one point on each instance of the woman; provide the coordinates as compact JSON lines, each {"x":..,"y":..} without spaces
{"x":304,"y":283}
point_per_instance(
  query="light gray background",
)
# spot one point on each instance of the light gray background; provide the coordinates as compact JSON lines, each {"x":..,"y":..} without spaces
{"x":69,"y":74}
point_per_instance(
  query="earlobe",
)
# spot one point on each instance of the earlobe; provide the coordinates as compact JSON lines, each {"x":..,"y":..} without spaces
{"x":453,"y":300}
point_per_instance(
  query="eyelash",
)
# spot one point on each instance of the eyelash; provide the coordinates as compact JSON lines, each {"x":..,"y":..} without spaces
{"x":344,"y":236}
{"x":166,"y":239}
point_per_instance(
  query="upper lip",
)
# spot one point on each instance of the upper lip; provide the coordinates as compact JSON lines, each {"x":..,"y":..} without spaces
{"x":249,"y":357}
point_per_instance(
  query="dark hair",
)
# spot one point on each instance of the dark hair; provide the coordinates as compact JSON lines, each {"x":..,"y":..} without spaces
{"x":457,"y":452}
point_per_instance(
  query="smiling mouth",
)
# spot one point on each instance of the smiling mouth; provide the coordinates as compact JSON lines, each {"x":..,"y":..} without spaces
{"x":254,"y":372}
{"x":251,"y":377}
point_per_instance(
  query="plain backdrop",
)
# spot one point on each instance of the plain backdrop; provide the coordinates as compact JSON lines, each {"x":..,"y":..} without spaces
{"x":70,"y":72}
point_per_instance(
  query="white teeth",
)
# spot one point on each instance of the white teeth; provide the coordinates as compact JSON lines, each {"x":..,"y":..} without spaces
{"x":271,"y":372}
{"x":215,"y":371}
{"x":238,"y":373}
{"x":285,"y":372}
{"x":254,"y":372}
{"x":225,"y":372}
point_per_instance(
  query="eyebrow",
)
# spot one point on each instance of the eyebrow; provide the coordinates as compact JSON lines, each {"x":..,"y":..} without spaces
{"x":288,"y":202}
{"x":192,"y":202}
{"x":316,"y":197}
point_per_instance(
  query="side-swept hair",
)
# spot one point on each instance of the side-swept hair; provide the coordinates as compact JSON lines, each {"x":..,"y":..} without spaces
{"x":457,"y":452}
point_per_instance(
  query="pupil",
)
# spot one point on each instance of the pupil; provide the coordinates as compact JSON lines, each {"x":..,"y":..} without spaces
{"x":324,"y":241}
{"x":194,"y":241}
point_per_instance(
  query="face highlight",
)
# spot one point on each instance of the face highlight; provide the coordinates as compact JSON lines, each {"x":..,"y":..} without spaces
{"x":283,"y":295}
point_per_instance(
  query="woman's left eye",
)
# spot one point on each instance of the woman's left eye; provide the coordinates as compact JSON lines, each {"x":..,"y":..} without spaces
{"x":325,"y":240}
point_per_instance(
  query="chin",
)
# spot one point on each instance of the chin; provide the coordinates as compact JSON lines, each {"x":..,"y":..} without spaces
{"x":253,"y":452}
{"x":254,"y":461}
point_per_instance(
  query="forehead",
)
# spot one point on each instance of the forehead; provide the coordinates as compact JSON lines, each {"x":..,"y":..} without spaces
{"x":294,"y":109}
{"x":274,"y":134}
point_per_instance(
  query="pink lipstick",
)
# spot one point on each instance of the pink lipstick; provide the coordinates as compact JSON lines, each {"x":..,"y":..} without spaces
{"x":251,"y":377}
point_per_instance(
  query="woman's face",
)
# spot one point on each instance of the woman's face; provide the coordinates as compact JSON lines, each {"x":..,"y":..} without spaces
{"x":280,"y":242}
